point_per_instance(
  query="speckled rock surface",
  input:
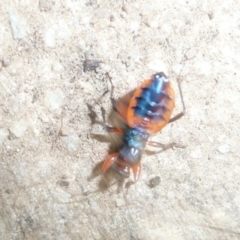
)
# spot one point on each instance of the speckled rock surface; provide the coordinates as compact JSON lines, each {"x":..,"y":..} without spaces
{"x":54,"y":56}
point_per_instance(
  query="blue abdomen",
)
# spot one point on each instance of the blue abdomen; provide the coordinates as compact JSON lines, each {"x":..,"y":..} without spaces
{"x":152,"y":103}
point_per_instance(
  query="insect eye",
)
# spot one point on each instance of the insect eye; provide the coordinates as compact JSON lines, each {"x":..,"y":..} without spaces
{"x":162,"y":76}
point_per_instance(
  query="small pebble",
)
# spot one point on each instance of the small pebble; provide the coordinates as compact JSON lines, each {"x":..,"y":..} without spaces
{"x":154,"y":182}
{"x":57,"y":67}
{"x":15,"y":67}
{"x":221,"y":158}
{"x":33,"y":143}
{"x":17,"y":26}
{"x":218,"y":214}
{"x":44,"y":169}
{"x":62,"y":30}
{"x":45,"y":5}
{"x":87,"y":87}
{"x":225,"y":148}
{"x":50,"y":38}
{"x":54,"y":99}
{"x":71,"y":142}
{"x":61,"y":195}
{"x":20,"y":202}
{"x":152,"y":24}
{"x":120,"y":202}
{"x":196,"y":154}
{"x":19,"y":128}
{"x":57,"y":33}
{"x":211,"y":15}
{"x":134,"y":26}
{"x":63,"y":183}
{"x":5,"y":62}
{"x":190,"y":54}
{"x":3,"y":135}
{"x":90,"y":65}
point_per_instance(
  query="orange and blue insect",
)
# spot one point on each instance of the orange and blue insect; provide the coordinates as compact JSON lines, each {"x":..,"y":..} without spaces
{"x":148,"y":110}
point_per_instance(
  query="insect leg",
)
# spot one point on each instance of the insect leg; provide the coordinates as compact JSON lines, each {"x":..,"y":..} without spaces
{"x":113,"y":101}
{"x":178,"y":116}
{"x":109,"y":161}
{"x":161,"y":145}
{"x":110,"y":128}
{"x":92,"y":114}
{"x":165,"y":146}
{"x":136,"y":171}
{"x":183,"y":104}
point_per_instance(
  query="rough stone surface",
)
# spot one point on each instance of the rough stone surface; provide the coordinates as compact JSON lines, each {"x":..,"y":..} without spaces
{"x":50,"y":153}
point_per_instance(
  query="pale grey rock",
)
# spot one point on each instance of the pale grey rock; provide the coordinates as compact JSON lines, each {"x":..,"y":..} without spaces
{"x":3,"y":135}
{"x":17,"y":26}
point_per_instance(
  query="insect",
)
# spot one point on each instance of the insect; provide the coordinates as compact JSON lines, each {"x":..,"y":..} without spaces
{"x":148,"y":110}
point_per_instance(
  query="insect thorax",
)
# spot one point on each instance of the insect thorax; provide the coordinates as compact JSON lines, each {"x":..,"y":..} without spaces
{"x":136,"y":138}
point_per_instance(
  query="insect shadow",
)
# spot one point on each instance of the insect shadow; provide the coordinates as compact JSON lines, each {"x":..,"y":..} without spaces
{"x":111,"y":177}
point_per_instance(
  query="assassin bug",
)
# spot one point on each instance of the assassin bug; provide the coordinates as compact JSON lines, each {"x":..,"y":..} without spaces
{"x":146,"y":112}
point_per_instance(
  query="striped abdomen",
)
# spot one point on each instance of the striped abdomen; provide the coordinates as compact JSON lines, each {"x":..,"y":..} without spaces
{"x":152,"y":104}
